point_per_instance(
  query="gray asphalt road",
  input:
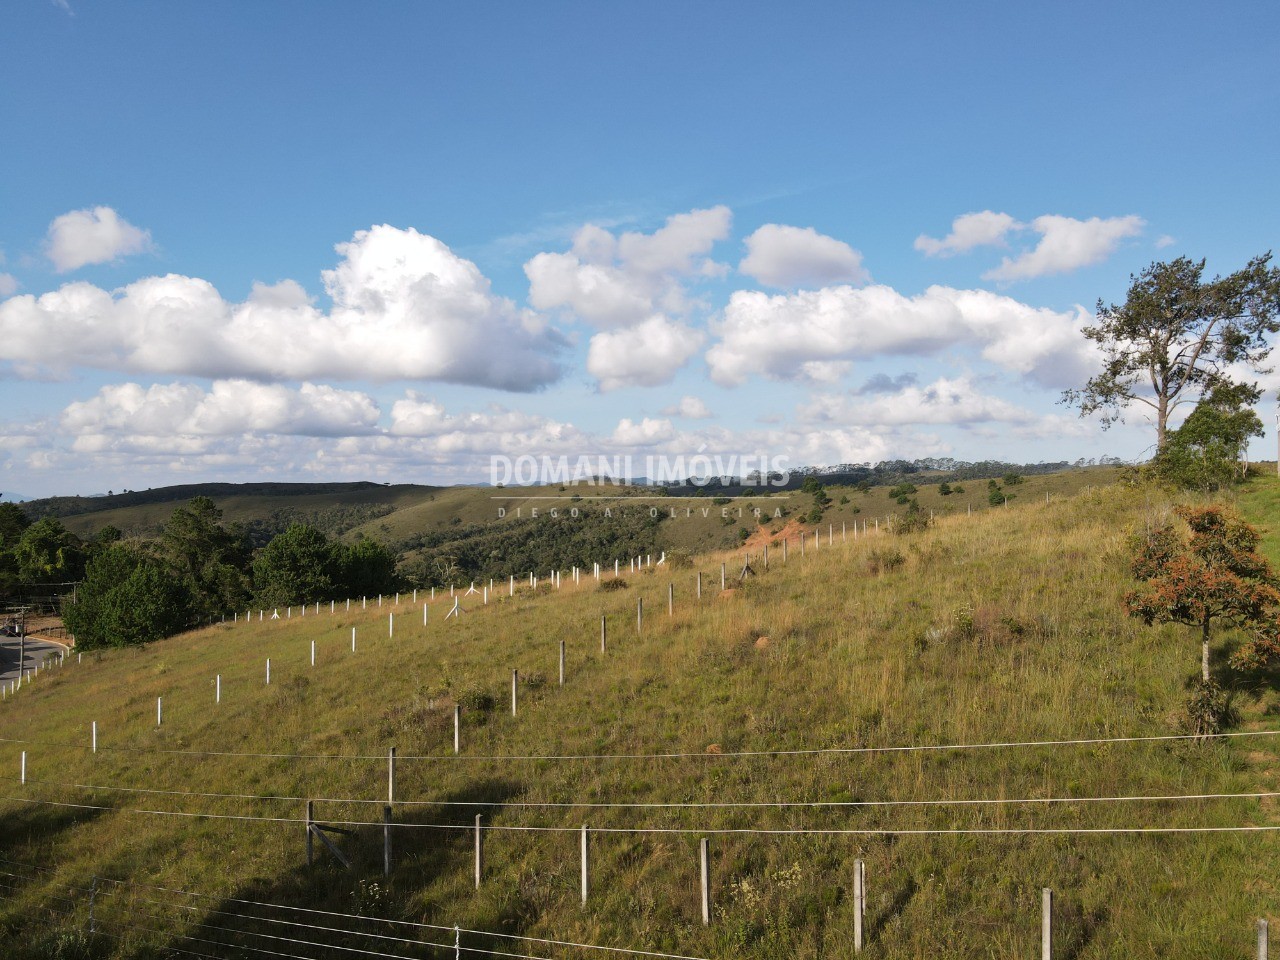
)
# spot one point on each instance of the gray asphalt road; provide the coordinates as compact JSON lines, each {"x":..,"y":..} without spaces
{"x":37,"y":650}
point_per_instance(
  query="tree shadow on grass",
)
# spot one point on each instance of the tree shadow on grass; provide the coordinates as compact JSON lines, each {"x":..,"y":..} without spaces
{"x":368,"y":905}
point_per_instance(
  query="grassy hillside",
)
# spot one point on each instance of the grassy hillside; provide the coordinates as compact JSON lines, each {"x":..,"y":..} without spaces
{"x":1001,"y":627}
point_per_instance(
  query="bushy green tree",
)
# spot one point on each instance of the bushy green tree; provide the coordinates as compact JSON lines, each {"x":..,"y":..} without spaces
{"x":209,"y":558}
{"x":1208,"y":451}
{"x":128,"y":597}
{"x":368,"y":567}
{"x":49,"y":553}
{"x":300,"y":565}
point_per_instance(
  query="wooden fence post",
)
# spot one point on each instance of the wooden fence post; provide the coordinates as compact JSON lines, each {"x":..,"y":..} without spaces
{"x":1046,"y":924}
{"x":1262,"y":924}
{"x":704,"y":860}
{"x":386,"y":841}
{"x":639,"y":614}
{"x":479,"y":852}
{"x":457,"y":728}
{"x":313,"y":653}
{"x":603,"y":633}
{"x":562,"y":663}
{"x":722,"y":576}
{"x":859,"y":902}
{"x":217,"y":689}
{"x":586,"y":874}
{"x":699,"y":584}
{"x":515,"y":679}
{"x":391,"y":775}
{"x":671,"y":599}
{"x":311,"y":818}
{"x":159,"y":708}
{"x":765,"y":557}
{"x":94,"y":736}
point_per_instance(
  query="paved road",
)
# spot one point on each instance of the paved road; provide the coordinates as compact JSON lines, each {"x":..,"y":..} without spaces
{"x":37,"y":650}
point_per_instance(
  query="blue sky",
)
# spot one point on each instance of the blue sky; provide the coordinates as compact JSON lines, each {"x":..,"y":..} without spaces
{"x":595,"y":228}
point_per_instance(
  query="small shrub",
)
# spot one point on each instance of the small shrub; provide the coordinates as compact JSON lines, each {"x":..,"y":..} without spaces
{"x":944,"y":489}
{"x":617,"y":583}
{"x":996,"y":498}
{"x":679,"y":559}
{"x":1208,"y":709}
{"x":369,"y":898}
{"x":1012,"y":479}
{"x":743,"y":533}
{"x":903,"y":489}
{"x":881,"y":560}
{"x":476,"y":699}
{"x":962,"y":625}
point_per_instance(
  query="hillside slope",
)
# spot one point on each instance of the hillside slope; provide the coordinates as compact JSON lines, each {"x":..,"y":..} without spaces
{"x":1003,"y":627}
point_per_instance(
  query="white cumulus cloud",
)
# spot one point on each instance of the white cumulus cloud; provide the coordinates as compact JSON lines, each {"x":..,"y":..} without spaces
{"x":815,"y":335}
{"x":1067,"y":244}
{"x":645,"y":355}
{"x":8,"y":284}
{"x":646,"y":433}
{"x":97,"y":235}
{"x":783,"y":256}
{"x":970,"y":230}
{"x":612,"y":281}
{"x":405,"y":307}
{"x":689,"y":408}
{"x":228,"y":407}
{"x":955,"y":400}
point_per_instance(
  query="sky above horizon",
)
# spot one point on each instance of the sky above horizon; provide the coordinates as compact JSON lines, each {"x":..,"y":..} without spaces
{"x":340,"y":241}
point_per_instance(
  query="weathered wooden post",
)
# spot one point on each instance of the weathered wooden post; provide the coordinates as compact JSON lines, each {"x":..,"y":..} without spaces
{"x":704,"y":860}
{"x":457,"y":728}
{"x":639,"y":614}
{"x":784,"y":551}
{"x":94,"y":736}
{"x":671,"y":599}
{"x":22,"y":777}
{"x":159,"y":712}
{"x":562,"y":663}
{"x":722,"y":576}
{"x":217,"y":689}
{"x":859,"y":902}
{"x":313,"y":653}
{"x":699,"y":584}
{"x":1262,"y":924}
{"x":391,"y":624}
{"x":391,"y":775}
{"x":268,"y":671}
{"x":311,"y":819}
{"x":604,"y":630}
{"x":765,"y":557}
{"x":353,"y":639}
{"x":515,"y":679}
{"x":479,"y":865}
{"x":386,"y":841}
{"x":586,"y":875}
{"x":1046,"y":924}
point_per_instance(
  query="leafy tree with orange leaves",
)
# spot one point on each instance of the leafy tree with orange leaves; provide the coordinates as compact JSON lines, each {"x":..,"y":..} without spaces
{"x":1212,"y":575}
